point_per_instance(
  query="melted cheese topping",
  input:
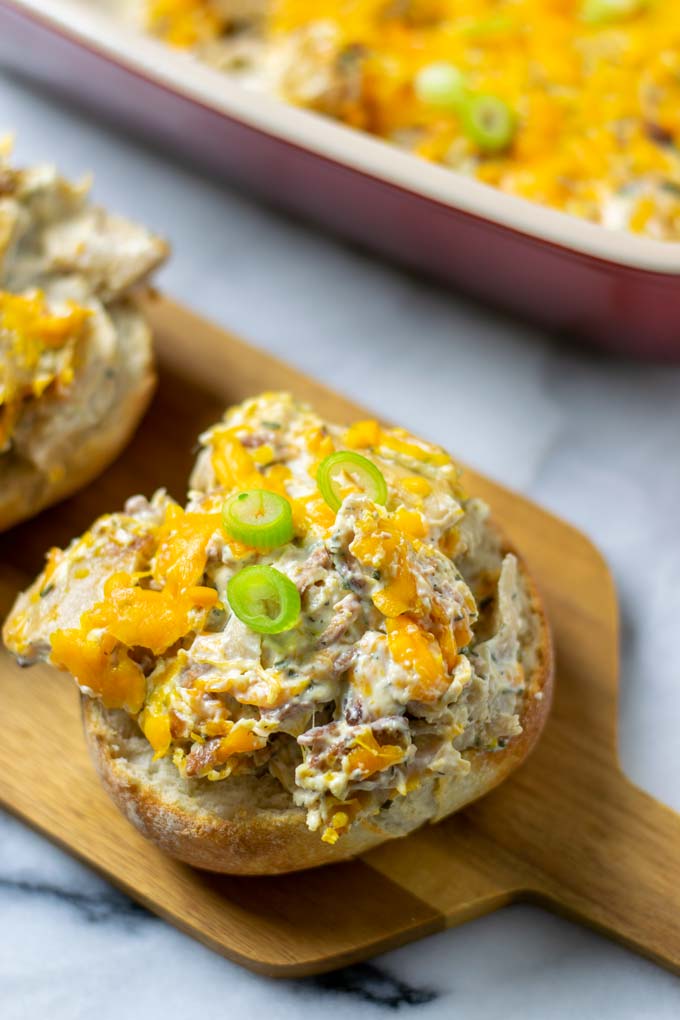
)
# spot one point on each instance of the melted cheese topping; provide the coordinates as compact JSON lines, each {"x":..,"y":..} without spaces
{"x":596,"y":100}
{"x":38,"y":349}
{"x":133,"y":616}
{"x":419,"y":653}
{"x":100,"y":668}
{"x":381,"y":545}
{"x":185,"y":22}
{"x":157,"y":609}
{"x":368,"y":756}
{"x":137,"y":611}
{"x":182,"y":551}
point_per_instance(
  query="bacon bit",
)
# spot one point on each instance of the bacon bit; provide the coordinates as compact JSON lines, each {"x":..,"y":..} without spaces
{"x":252,"y":440}
{"x":240,"y":740}
{"x":344,"y":615}
{"x":202,"y":758}
{"x":344,"y":660}
{"x":313,"y":569}
{"x":193,"y":674}
{"x":179,"y":729}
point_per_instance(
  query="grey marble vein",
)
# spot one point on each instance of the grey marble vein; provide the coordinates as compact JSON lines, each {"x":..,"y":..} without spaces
{"x":371,"y":984}
{"x":108,"y":905}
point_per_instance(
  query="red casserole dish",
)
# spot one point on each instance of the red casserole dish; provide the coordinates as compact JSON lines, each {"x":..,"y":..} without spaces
{"x":616,"y":289}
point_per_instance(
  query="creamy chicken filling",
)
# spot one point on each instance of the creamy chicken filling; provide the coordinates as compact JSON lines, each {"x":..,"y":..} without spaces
{"x":63,"y":266}
{"x":407,"y":654}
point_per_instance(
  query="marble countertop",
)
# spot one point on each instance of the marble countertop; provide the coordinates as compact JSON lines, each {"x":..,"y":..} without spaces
{"x":594,"y":440}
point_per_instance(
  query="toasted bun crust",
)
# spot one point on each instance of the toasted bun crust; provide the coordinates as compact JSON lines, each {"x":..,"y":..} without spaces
{"x":250,"y":826}
{"x":25,"y":490}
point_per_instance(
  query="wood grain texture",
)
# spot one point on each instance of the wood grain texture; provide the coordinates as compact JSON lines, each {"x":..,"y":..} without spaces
{"x":568,"y":829}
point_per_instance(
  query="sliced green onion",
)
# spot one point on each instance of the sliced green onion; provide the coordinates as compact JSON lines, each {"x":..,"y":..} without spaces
{"x":346,"y":468}
{"x":441,"y":85}
{"x":258,"y":518}
{"x":488,"y":122}
{"x":264,"y":599}
{"x":597,"y":12}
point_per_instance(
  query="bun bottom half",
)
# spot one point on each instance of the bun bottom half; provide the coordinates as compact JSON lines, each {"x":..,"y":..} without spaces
{"x":249,"y":825}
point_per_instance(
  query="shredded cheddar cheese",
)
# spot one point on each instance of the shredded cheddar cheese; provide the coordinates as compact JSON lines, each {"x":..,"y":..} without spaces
{"x":368,"y":757}
{"x":595,"y":100}
{"x":156,"y":729}
{"x":182,"y":554}
{"x":418,"y":652}
{"x":337,"y":704}
{"x":38,"y":350}
{"x":384,"y":545}
{"x":363,"y":434}
{"x":186,"y":22}
{"x":107,"y":671}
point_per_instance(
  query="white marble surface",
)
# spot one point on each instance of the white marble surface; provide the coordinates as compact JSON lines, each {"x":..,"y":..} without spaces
{"x":595,"y":440}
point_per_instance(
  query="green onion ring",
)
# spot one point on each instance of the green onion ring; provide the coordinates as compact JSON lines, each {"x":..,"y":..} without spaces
{"x":259,"y":518}
{"x":440,"y":85}
{"x":488,"y":122}
{"x":264,"y":599}
{"x":360,"y":470}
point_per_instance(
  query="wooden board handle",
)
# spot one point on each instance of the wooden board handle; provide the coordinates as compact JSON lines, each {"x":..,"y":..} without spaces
{"x":627,"y":880}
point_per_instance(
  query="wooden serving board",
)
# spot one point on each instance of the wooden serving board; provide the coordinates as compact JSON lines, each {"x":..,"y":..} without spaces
{"x":567,"y":830}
